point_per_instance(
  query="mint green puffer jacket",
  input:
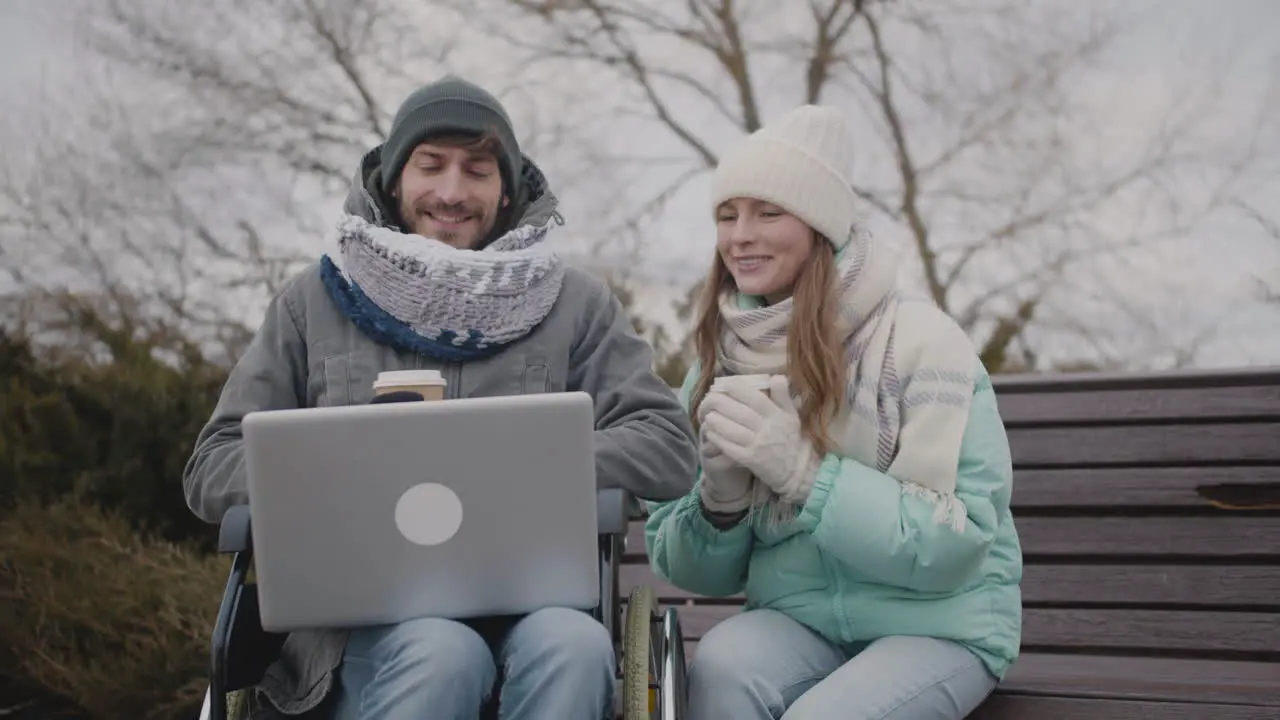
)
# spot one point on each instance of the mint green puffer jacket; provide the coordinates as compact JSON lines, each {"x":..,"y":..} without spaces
{"x":864,"y":560}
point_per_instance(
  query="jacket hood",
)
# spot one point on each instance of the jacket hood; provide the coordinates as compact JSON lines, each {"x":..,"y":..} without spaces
{"x":534,"y":204}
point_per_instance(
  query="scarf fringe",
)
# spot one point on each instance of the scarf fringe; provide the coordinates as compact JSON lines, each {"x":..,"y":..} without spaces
{"x":947,"y":508}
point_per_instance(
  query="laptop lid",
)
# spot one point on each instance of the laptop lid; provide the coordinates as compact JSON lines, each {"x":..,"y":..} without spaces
{"x":374,"y":514}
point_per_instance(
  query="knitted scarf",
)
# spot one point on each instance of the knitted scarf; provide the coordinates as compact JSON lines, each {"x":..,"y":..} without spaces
{"x":911,"y":375}
{"x":421,"y":295}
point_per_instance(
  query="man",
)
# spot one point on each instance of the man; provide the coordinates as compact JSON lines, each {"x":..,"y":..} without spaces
{"x":498,"y":314}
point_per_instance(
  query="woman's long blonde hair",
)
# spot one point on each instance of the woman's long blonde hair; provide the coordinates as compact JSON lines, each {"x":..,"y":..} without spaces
{"x":816,"y":364}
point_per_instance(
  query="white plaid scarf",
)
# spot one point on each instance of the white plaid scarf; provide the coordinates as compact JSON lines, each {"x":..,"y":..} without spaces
{"x":911,"y":375}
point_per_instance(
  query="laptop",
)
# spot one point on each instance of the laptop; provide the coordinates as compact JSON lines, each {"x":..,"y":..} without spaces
{"x":375,"y":514}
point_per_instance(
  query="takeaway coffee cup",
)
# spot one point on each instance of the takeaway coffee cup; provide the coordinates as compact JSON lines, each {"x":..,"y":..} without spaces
{"x":747,"y":382}
{"x":427,"y":383}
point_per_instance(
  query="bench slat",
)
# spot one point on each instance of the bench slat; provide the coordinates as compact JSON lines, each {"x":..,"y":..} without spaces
{"x":1145,"y":444}
{"x":1130,"y":630}
{"x":1209,"y":537}
{"x":1004,"y":706}
{"x":1111,"y":406}
{"x":1222,"y":586}
{"x":1206,"y":537}
{"x":1141,"y":630}
{"x":1137,"y":678}
{"x":1153,"y":585}
{"x":1251,"y":376}
{"x":1116,"y":489}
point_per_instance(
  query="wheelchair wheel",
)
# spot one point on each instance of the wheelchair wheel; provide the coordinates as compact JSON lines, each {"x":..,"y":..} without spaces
{"x":672,"y":678}
{"x":640,"y":652}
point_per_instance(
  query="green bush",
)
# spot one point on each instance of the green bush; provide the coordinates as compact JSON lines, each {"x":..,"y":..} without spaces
{"x":115,"y":423}
{"x":108,"y":591}
{"x":95,"y":613}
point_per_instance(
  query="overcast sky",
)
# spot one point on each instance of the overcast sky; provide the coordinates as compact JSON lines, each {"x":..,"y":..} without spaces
{"x":39,"y":57}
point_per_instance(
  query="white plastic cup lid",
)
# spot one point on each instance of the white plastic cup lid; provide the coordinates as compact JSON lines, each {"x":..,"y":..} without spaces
{"x":754,"y":382}
{"x":399,"y":378}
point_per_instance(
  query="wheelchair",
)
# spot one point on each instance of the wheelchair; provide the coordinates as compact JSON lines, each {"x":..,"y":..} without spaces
{"x":647,"y":641}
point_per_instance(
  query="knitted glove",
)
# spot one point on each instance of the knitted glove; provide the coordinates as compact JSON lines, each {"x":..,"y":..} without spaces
{"x":726,"y":485}
{"x":762,"y":434}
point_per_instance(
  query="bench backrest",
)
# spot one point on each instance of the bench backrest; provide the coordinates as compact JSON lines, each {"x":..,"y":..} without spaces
{"x":1148,"y":508}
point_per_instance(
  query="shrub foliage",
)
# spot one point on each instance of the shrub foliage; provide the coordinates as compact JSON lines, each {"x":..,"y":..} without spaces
{"x":98,"y":615}
{"x":108,"y":587}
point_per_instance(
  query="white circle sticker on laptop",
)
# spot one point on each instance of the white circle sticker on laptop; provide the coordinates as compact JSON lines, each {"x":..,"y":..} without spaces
{"x":428,"y":514}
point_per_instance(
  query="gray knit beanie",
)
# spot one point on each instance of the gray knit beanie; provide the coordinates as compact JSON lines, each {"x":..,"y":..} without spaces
{"x":449,"y":105}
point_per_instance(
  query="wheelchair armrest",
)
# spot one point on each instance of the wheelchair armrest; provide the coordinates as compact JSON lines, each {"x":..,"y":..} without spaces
{"x":613,"y":510}
{"x":234,"y":533}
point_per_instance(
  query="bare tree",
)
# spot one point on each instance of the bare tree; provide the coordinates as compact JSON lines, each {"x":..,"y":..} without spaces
{"x":188,"y":172}
{"x":205,"y":155}
{"x":303,"y":82}
{"x":977,"y":144}
{"x":110,"y":219}
{"x":225,"y":132}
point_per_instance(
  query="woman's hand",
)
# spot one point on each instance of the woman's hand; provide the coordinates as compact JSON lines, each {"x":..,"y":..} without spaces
{"x":762,"y":434}
{"x":726,"y":485}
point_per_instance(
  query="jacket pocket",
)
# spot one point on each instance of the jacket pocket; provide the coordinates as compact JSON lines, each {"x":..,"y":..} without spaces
{"x":537,"y":376}
{"x":786,"y":569}
{"x":335,"y":389}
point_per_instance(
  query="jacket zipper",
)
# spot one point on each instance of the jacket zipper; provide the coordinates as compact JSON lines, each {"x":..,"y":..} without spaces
{"x":453,"y":379}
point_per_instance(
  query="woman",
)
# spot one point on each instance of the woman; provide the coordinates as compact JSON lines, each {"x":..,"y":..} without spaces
{"x":861,"y":503}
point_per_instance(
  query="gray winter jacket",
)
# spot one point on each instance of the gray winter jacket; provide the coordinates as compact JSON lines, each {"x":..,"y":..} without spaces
{"x":308,"y":354}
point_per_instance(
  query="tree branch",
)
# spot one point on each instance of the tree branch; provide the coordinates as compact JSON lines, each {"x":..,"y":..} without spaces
{"x":909,"y":205}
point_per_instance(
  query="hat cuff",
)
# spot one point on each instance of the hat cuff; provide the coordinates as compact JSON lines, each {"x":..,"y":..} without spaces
{"x":780,"y":173}
{"x":450,"y":114}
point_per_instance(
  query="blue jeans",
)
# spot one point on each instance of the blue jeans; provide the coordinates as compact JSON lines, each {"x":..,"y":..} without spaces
{"x":554,"y":663}
{"x":762,"y":665}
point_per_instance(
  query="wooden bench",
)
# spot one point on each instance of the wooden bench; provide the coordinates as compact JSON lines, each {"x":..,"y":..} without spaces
{"x":1148,"y":508}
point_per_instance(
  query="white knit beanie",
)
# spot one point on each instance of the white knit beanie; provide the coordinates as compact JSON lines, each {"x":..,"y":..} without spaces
{"x":802,"y":163}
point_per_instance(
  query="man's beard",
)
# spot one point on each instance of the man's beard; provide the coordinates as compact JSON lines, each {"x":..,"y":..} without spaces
{"x":473,"y":232}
